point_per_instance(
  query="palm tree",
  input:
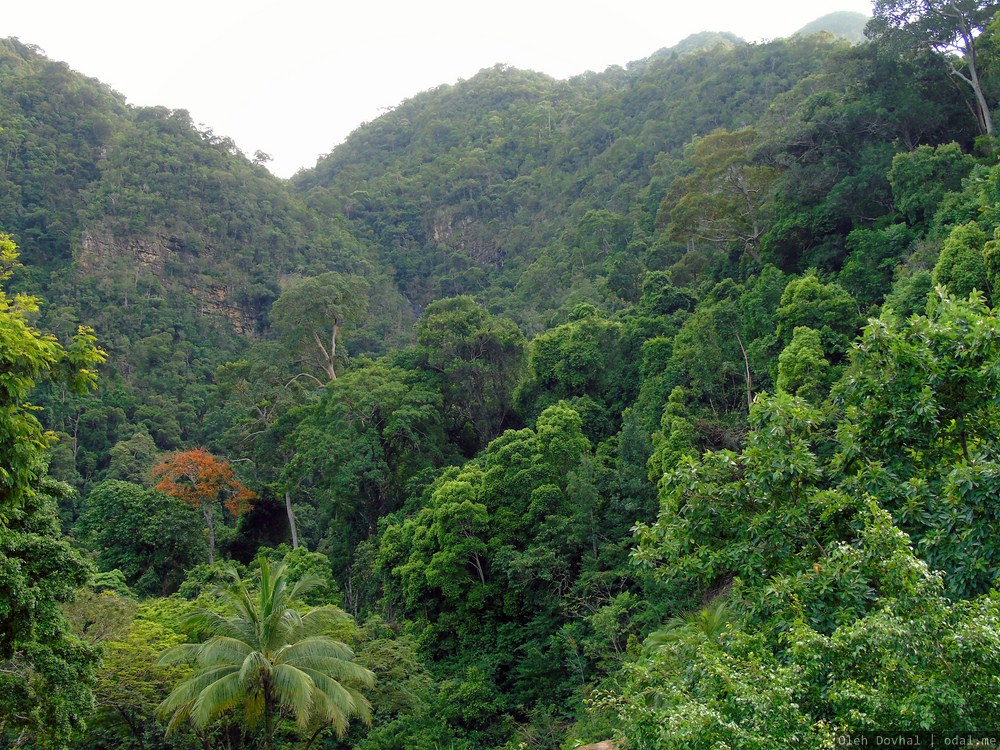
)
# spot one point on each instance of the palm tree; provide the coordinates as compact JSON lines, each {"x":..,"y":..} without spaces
{"x":266,"y":659}
{"x":679,"y":635}
{"x":706,"y":624}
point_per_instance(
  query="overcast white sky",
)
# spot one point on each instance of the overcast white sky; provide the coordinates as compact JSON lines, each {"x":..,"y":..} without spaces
{"x":295,"y":77}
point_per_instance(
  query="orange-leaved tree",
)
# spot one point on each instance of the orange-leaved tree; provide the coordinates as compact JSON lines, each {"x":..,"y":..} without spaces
{"x":204,"y":482}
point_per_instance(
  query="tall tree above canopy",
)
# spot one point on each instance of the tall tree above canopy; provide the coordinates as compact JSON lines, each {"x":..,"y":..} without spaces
{"x":949,"y":27}
{"x":725,"y":199}
{"x":311,"y":313}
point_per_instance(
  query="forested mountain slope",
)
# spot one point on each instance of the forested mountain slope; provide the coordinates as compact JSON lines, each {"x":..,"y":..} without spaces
{"x":163,"y":236}
{"x":485,"y":184}
{"x":658,"y":404}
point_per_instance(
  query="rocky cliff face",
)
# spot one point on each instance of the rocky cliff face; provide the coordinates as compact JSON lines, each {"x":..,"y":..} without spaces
{"x":99,"y":247}
{"x":216,"y":302}
{"x":468,"y":236}
{"x":162,"y":254}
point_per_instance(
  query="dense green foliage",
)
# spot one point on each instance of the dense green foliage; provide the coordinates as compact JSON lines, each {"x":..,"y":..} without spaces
{"x":45,"y":671}
{"x":658,"y":405}
{"x":265,"y":657}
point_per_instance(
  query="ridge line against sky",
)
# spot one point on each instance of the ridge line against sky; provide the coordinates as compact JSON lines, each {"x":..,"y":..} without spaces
{"x":293,"y":79}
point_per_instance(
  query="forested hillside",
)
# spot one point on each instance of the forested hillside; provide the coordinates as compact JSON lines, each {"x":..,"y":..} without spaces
{"x":659,"y":405}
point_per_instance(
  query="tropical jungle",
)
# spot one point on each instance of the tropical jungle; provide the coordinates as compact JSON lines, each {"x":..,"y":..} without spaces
{"x":657,"y":407}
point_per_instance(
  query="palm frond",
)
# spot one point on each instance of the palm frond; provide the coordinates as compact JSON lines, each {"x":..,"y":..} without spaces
{"x":294,"y":689}
{"x":337,"y":698}
{"x":180,"y":703}
{"x":338,"y":669}
{"x":362,"y":706}
{"x":324,"y":716}
{"x":223,"y":650}
{"x":178,"y":718}
{"x":306,"y":584}
{"x":317,"y":646}
{"x":708,"y":623}
{"x":188,"y":690}
{"x":206,"y":622}
{"x":182,"y":652}
{"x":320,"y":620}
{"x":215,"y":699}
{"x":337,"y":708}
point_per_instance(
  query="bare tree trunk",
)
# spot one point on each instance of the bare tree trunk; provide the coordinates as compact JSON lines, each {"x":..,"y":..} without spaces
{"x":329,"y":356}
{"x":748,"y":376}
{"x":291,"y":520}
{"x":984,"y":108}
{"x":478,"y":564}
{"x":207,"y":511}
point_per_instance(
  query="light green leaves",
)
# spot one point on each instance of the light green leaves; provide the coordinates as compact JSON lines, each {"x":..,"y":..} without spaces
{"x":264,"y":657}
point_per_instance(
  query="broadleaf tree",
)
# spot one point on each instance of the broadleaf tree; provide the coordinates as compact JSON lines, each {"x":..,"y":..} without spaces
{"x":46,"y":673}
{"x":204,"y":482}
{"x":949,"y":27}
{"x":311,"y":314}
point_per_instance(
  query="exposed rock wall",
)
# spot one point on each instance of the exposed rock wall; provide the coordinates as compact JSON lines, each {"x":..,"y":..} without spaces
{"x":469,"y":236}
{"x":215,"y":302}
{"x":100,"y":249}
